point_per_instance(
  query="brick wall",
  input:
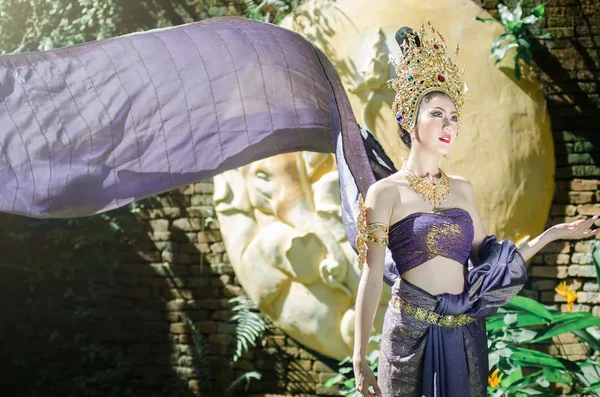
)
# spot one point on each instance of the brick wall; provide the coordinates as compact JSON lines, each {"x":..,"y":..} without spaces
{"x":569,"y":69}
{"x":180,"y":267}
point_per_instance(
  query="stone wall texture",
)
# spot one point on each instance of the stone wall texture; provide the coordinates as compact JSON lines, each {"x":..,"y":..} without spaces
{"x":181,"y":267}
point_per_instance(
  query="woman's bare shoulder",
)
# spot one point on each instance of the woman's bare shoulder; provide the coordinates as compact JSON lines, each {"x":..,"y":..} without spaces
{"x":383,"y":194}
{"x":461,"y":182}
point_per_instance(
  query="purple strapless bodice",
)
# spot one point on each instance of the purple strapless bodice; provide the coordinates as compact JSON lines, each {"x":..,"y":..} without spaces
{"x":421,"y":236}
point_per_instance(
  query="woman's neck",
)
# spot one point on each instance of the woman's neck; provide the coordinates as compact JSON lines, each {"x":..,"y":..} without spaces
{"x":423,"y":166}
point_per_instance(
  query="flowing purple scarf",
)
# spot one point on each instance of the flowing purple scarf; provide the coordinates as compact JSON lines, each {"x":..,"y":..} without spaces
{"x":93,"y":127}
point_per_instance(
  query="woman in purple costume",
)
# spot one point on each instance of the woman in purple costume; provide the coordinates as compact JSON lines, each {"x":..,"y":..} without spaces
{"x":447,"y":273}
{"x":93,"y":127}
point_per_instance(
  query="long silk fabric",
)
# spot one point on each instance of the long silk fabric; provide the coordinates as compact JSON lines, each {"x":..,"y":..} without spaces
{"x":93,"y":127}
{"x":418,"y":359}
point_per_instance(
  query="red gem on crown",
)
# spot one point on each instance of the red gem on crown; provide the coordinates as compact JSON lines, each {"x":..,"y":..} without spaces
{"x":441,"y":78}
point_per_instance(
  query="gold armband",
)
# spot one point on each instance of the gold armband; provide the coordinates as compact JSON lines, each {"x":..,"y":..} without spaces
{"x":365,"y":233}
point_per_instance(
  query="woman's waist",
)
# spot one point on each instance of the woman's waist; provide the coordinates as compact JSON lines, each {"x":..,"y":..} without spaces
{"x":405,"y":293}
{"x":438,"y":276}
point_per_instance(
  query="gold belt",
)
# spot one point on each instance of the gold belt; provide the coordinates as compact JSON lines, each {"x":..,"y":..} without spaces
{"x":430,"y":316}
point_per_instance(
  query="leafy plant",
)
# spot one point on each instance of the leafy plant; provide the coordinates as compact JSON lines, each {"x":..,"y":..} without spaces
{"x":345,"y":379}
{"x":55,"y":325}
{"x":517,"y":34}
{"x":250,"y":327}
{"x":250,"y":324}
{"x":527,"y":371}
{"x":269,"y":10}
{"x":518,"y":370}
{"x":596,"y":260}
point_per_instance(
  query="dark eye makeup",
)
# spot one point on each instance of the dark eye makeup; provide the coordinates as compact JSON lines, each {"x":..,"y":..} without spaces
{"x":436,"y":114}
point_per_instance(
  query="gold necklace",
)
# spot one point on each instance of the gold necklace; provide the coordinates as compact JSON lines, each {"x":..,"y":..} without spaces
{"x":431,"y":189}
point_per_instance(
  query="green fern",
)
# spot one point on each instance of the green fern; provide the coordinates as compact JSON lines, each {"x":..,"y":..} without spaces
{"x":250,"y":327}
{"x":243,"y":378}
{"x":202,"y":363}
{"x":250,"y":324}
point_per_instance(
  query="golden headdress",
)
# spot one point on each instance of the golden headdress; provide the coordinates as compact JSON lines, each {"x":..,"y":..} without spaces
{"x":421,"y":69}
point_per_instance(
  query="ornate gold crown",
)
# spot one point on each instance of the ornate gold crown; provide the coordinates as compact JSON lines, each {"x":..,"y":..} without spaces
{"x":423,"y":69}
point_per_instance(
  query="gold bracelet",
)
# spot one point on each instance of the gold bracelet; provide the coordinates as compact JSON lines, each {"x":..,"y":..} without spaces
{"x":364,"y":234}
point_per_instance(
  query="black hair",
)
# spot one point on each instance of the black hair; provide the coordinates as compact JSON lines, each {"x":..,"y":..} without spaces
{"x":401,"y":36}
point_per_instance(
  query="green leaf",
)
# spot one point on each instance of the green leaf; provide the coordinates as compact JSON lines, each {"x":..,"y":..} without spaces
{"x":334,"y":380}
{"x":545,"y":36}
{"x":530,"y":20}
{"x":511,"y":378}
{"x":505,"y":14}
{"x":518,"y":12}
{"x":562,"y":317}
{"x":596,"y":260}
{"x":554,"y":375}
{"x":539,"y":10}
{"x":562,"y":328}
{"x":593,"y":386}
{"x":535,"y":359}
{"x":584,"y":335}
{"x":529,"y":305}
{"x":488,"y":20}
{"x":499,"y":53}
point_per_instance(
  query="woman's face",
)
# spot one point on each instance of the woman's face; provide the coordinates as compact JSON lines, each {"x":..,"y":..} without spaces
{"x":437,"y":126}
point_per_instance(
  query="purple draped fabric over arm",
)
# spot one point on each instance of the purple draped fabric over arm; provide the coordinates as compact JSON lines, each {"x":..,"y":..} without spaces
{"x":93,"y":127}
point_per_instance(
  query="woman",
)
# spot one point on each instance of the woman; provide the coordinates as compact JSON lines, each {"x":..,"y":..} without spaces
{"x":434,"y":340}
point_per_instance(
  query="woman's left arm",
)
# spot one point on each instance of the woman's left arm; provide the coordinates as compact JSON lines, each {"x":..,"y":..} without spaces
{"x":563,"y":231}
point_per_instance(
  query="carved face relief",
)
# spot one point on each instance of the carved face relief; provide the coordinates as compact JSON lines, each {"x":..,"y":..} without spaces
{"x":281,"y":223}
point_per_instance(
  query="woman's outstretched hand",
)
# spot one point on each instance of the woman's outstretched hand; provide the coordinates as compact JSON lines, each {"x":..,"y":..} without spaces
{"x":365,"y":378}
{"x":573,"y":230}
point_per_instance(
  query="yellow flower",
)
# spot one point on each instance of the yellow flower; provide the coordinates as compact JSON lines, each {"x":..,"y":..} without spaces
{"x":568,"y":293}
{"x":494,"y":379}
{"x":53,"y":335}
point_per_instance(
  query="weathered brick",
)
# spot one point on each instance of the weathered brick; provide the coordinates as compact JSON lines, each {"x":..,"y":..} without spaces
{"x":209,"y":236}
{"x":204,"y":187}
{"x":580,"y":158}
{"x":203,"y":211}
{"x":568,"y":210}
{"x":159,"y":225}
{"x":584,"y":184}
{"x":160,"y":236}
{"x":557,"y":247}
{"x":551,"y":296}
{"x":176,"y":257}
{"x":179,"y":328}
{"x":581,"y":271}
{"x":187,"y":224}
{"x":581,"y":197}
{"x":165,"y":270}
{"x":232,"y":291}
{"x":211,"y":304}
{"x":556,"y":259}
{"x":176,"y":305}
{"x":578,"y":307}
{"x":550,"y":271}
{"x":584,"y":246}
{"x":543,"y":285}
{"x":581,"y":258}
{"x":588,"y":297}
{"x":220,"y":339}
{"x":199,"y":200}
{"x":589,"y":209}
{"x":591,"y":286}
